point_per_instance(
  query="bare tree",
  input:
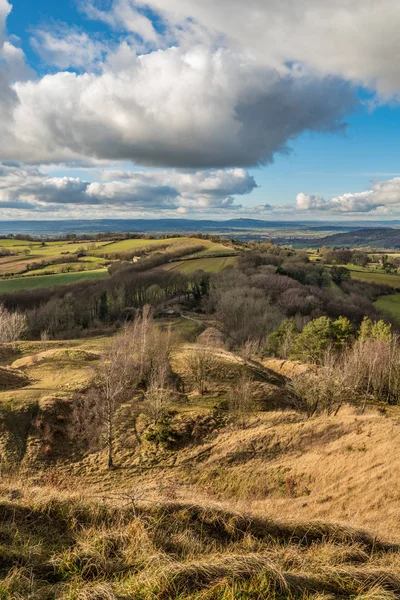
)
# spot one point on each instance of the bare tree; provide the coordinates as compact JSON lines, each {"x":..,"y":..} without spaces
{"x":12,"y":325}
{"x":158,"y":395}
{"x":200,"y":364}
{"x":115,"y":380}
{"x":241,"y":401}
{"x":326,"y":388}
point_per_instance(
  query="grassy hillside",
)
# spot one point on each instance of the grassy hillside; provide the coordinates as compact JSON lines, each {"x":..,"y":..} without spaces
{"x":209,"y":265}
{"x":34,"y":265}
{"x":375,"y":277}
{"x":74,"y":548}
{"x":198,"y":507}
{"x":391,"y":305}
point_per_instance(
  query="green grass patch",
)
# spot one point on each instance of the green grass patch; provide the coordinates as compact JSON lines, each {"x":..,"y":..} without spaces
{"x":83,"y":265}
{"x":42,"y":281}
{"x":210,"y":265}
{"x":126,"y":245}
{"x":382,"y":278}
{"x":390,"y":304}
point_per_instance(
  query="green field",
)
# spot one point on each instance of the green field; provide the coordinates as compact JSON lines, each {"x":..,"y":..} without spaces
{"x":390,"y":304}
{"x":210,"y":265}
{"x":31,"y":264}
{"x":373,"y":277}
{"x":42,"y":281}
{"x":127,"y":245}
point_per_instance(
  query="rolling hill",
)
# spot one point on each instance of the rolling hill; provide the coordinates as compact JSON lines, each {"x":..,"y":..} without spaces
{"x":363,"y":238}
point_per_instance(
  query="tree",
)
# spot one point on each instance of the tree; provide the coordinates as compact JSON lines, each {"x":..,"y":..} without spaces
{"x":158,"y":395}
{"x":360,"y":258}
{"x":241,"y":401}
{"x":200,"y":364}
{"x":374,"y":330}
{"x":281,"y":341}
{"x":320,"y":335}
{"x":115,"y":380}
{"x":12,"y":325}
{"x":326,"y":388}
{"x":342,"y":333}
{"x":340,"y":274}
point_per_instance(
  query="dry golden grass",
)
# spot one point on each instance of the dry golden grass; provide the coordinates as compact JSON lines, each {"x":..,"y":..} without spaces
{"x":69,"y":547}
{"x":337,"y":469}
{"x":287,"y":368}
{"x":76,"y":533}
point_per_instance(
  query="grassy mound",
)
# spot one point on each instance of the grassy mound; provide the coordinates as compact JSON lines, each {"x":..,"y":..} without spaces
{"x":66,"y":548}
{"x":12,"y":379}
{"x":70,"y":355}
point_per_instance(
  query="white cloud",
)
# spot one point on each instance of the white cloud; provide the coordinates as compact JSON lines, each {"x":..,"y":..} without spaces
{"x":27,"y":188}
{"x":196,"y":109}
{"x":384,"y":196}
{"x":355,"y":39}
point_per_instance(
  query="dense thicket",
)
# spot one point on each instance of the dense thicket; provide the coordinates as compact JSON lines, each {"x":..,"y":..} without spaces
{"x":253,"y":300}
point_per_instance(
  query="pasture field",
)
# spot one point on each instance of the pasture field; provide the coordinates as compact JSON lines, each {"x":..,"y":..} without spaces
{"x":41,"y":281}
{"x":375,"y":277}
{"x":390,"y":304}
{"x":209,"y":265}
{"x":128,"y":245}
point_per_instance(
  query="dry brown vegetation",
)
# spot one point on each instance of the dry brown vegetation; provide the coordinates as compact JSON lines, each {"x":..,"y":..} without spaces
{"x":68,"y":547}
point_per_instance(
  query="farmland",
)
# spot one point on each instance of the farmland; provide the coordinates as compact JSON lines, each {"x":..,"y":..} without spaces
{"x":209,"y":265}
{"x":32,"y":264}
{"x":42,"y":281}
{"x":375,"y":277}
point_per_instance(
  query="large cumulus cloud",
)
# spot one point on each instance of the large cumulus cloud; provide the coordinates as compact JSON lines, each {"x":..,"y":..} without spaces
{"x":197,"y":108}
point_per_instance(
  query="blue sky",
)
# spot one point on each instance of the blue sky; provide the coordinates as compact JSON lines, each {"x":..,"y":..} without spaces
{"x":124,"y":108}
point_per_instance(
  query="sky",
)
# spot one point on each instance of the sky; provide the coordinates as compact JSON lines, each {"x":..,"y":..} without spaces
{"x":268,"y":109}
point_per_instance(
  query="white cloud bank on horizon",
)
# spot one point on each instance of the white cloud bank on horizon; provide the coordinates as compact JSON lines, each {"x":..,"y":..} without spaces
{"x":383,"y":197}
{"x":26,"y":188}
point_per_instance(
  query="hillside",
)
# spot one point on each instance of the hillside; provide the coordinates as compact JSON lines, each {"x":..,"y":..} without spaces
{"x":73,"y":548}
{"x":210,"y":421}
{"x":388,"y":238}
{"x":203,"y":510}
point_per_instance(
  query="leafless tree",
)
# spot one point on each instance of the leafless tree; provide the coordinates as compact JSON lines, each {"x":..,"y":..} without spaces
{"x":115,"y":381}
{"x":158,"y":394}
{"x":12,"y":325}
{"x":241,"y":401}
{"x":326,"y":388}
{"x":200,"y":364}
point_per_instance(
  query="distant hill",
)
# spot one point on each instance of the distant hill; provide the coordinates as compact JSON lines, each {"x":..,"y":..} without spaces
{"x":158,"y":226}
{"x":363,"y":238}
